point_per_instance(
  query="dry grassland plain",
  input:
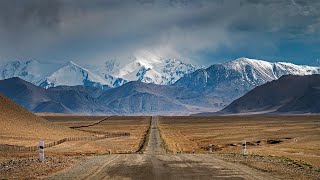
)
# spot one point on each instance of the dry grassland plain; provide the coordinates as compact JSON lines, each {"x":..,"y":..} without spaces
{"x":134,"y":129}
{"x":25,"y":164}
{"x":125,"y":135}
{"x":294,"y":137}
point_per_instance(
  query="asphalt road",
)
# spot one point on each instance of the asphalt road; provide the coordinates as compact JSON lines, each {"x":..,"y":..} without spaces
{"x":155,"y":163}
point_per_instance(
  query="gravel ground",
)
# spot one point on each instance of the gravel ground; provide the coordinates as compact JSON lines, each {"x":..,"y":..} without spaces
{"x":32,"y":168}
{"x":280,"y":167}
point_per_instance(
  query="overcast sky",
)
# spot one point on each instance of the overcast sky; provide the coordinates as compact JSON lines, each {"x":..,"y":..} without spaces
{"x":201,"y":31}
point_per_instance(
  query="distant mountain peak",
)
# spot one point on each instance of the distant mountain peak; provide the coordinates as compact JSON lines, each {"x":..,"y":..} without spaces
{"x":156,"y":70}
{"x":71,"y":63}
{"x":73,"y":74}
{"x":246,"y":61}
{"x":31,"y":61}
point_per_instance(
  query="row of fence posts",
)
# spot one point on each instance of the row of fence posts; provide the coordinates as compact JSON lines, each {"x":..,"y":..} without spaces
{"x":35,"y":148}
{"x":42,"y":144}
{"x":243,"y":148}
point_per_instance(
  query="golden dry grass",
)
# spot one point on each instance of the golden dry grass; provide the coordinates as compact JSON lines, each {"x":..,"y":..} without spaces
{"x":20,"y":127}
{"x":299,"y":135}
{"x":135,"y":126}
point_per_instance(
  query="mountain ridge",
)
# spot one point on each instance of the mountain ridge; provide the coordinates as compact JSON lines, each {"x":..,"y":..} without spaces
{"x":288,"y":94}
{"x":233,"y":79}
{"x":35,"y":98}
{"x":152,"y":98}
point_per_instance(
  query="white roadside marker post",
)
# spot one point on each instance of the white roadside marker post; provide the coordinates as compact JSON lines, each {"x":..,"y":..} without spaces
{"x":41,"y":151}
{"x":210,"y":148}
{"x":244,"y":147}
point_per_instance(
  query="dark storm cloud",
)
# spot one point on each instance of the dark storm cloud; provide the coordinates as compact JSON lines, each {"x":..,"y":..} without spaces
{"x":15,"y":14}
{"x":98,"y":29}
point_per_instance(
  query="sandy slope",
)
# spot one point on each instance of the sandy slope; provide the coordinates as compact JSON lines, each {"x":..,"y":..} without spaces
{"x":20,"y":127}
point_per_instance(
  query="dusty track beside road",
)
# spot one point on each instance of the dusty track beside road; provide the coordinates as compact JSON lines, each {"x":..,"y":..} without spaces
{"x":155,"y":163}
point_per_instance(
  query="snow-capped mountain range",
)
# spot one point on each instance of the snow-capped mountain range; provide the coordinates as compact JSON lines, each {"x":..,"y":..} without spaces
{"x":245,"y":71}
{"x":233,"y":79}
{"x":156,"y":71}
{"x":242,"y":73}
{"x":181,"y":88}
{"x":162,"y":72}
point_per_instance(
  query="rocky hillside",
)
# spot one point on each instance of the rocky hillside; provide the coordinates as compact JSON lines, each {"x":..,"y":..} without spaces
{"x":289,"y":94}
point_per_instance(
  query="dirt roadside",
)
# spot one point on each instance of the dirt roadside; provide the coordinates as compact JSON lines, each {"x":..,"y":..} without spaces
{"x":280,"y":167}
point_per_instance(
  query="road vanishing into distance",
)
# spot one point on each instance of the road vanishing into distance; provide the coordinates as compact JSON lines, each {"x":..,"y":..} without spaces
{"x":155,"y":163}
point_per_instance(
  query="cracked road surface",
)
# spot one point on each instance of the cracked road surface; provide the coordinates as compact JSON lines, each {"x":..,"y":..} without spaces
{"x":155,"y":163}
